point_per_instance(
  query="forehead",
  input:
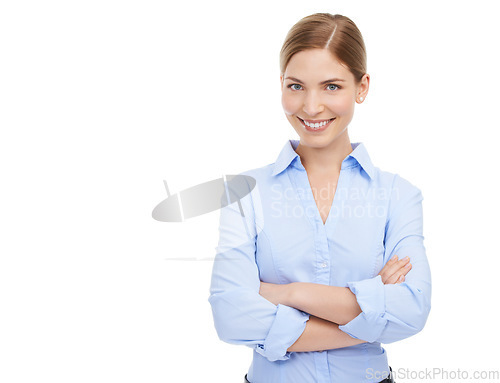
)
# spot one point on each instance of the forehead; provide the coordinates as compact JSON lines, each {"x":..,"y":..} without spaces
{"x":316,"y":64}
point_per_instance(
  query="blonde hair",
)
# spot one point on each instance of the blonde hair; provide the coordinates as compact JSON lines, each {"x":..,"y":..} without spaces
{"x":336,"y":33}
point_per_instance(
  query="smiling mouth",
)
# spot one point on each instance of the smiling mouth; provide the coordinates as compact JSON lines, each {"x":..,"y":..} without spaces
{"x":315,"y":125}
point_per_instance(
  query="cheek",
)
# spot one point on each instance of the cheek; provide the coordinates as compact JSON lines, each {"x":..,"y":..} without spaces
{"x":290,"y":103}
{"x":343,"y":106}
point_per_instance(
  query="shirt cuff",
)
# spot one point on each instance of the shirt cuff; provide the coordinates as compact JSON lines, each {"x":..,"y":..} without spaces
{"x":370,"y":295}
{"x":287,"y":327}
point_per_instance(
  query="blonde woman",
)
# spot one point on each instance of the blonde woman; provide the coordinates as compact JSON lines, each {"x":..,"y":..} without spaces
{"x":323,"y":261}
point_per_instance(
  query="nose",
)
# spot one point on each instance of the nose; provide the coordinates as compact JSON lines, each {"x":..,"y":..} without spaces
{"x":313,"y":104}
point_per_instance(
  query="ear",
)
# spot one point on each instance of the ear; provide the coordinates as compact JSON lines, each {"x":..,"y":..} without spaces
{"x":363,"y":87}
{"x":281,"y":81}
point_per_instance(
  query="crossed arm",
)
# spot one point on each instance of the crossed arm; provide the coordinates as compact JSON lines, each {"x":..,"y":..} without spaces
{"x":328,"y":306}
{"x":269,"y":317}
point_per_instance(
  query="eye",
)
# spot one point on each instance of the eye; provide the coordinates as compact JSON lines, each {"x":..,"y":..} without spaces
{"x":332,"y":87}
{"x":294,"y":86}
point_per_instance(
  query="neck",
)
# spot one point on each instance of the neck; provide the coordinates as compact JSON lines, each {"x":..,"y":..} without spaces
{"x":327,"y":159}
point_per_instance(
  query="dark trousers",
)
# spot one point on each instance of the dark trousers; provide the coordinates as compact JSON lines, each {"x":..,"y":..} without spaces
{"x":388,"y":380}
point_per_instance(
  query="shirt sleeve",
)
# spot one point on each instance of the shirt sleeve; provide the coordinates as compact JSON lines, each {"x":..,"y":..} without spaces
{"x":241,"y":315}
{"x":396,"y":311}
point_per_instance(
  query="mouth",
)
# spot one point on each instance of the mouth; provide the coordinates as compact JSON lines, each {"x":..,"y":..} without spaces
{"x":315,"y":125}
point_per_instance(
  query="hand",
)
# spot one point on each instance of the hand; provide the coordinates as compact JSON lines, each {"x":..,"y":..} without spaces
{"x":274,"y":293}
{"x":395,"y":270}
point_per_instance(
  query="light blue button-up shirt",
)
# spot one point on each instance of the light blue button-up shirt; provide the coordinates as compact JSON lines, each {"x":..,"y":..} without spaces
{"x":281,"y":238}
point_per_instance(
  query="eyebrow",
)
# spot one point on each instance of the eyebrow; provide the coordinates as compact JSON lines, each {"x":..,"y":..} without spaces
{"x":321,"y":83}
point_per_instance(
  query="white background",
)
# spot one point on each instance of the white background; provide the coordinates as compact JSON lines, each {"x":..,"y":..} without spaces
{"x":102,"y":100}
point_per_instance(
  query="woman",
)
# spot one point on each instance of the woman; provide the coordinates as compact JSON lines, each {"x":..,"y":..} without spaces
{"x":324,"y":259}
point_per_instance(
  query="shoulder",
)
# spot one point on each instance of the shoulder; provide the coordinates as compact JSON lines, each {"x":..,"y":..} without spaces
{"x":404,"y":195}
{"x":252,"y":181}
{"x":262,"y":175}
{"x":397,"y":190}
{"x":394,"y":182}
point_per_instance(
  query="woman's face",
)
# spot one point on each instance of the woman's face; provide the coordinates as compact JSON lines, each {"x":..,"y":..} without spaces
{"x":318,"y":96}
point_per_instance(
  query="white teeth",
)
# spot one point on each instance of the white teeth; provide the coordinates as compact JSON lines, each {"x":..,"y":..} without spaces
{"x":317,"y":124}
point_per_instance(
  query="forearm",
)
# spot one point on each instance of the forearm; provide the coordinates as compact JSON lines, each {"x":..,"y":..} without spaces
{"x":332,"y":303}
{"x":320,"y":335}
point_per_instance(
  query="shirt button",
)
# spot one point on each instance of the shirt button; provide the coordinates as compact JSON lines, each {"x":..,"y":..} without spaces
{"x":324,"y":264}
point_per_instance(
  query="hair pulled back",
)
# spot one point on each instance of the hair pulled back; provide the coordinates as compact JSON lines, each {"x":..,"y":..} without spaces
{"x":336,"y":33}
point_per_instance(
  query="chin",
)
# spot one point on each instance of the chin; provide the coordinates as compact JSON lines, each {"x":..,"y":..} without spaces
{"x":319,"y":141}
{"x":316,"y":142}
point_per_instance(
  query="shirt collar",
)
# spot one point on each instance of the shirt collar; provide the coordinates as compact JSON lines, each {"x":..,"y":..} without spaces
{"x":359,"y":155}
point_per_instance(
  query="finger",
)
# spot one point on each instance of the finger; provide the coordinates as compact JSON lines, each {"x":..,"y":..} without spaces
{"x":390,"y":262}
{"x":390,"y":269}
{"x":400,"y":275}
{"x":393,"y":272}
{"x":400,"y":279}
{"x":405,"y":269}
{"x":392,"y":279}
